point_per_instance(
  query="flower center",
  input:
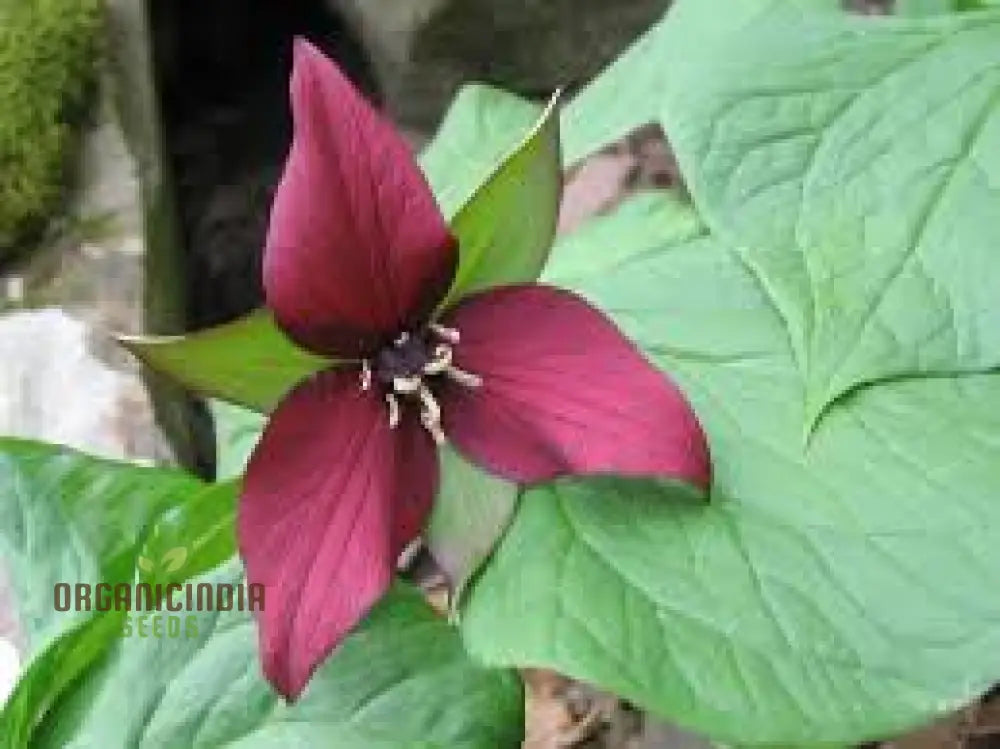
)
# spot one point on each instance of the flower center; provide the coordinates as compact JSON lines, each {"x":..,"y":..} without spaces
{"x":404,"y":368}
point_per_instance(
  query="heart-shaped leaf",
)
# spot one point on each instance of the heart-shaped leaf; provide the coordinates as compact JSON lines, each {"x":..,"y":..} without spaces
{"x":248,"y":361}
{"x":834,"y":591}
{"x":402,"y":679}
{"x":644,"y":223}
{"x":630,"y":92}
{"x":858,"y":170}
{"x":937,"y":7}
{"x":924,"y":7}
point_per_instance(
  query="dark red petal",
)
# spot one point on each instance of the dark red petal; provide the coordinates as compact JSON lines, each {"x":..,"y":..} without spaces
{"x":357,"y":249}
{"x":330,"y":498}
{"x":564,"y":393}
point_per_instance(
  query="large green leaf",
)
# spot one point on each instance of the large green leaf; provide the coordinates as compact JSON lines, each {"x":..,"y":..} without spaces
{"x":69,"y":518}
{"x":52,"y":671}
{"x":505,"y":229}
{"x":248,"y":361}
{"x":191,"y":537}
{"x":924,"y":7}
{"x":631,"y":91}
{"x":401,"y":680}
{"x":643,"y":223}
{"x":829,"y":592}
{"x":482,"y":127}
{"x":858,"y":169}
{"x":937,"y":7}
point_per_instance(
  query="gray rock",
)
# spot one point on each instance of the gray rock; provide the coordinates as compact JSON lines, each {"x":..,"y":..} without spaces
{"x":56,"y":386}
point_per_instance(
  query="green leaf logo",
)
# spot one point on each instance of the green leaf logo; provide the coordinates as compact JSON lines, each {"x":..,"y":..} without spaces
{"x":172,"y":561}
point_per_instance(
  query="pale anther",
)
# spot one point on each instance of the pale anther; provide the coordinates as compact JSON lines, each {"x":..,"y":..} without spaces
{"x":366,"y":375}
{"x":405,"y":370}
{"x":463,"y":378}
{"x":441,"y":361}
{"x":448,"y":334}
{"x":394,"y":413}
{"x":431,"y":408}
{"x":434,"y":427}
{"x":407,"y":385}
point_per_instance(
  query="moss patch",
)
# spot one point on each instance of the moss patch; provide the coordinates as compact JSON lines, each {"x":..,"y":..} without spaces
{"x":48,"y":51}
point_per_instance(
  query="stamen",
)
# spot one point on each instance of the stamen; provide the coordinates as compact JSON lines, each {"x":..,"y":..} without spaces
{"x":434,"y":427}
{"x":406,"y":385}
{"x":441,"y":361}
{"x":394,"y":413}
{"x":462,"y":377}
{"x":431,"y":408}
{"x":405,"y":368}
{"x":447,"y":334}
{"x":366,"y":375}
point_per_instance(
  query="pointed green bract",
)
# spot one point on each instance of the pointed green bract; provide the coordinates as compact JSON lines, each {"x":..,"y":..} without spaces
{"x":249,"y":361}
{"x":495,"y":169}
{"x":471,"y":513}
{"x":835,"y":591}
{"x":505,"y":229}
{"x":482,"y":127}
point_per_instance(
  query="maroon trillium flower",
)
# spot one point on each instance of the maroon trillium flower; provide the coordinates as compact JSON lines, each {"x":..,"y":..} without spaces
{"x":528,"y":381}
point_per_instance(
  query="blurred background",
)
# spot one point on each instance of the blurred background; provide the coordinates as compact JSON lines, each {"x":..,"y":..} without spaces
{"x":140,"y":143}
